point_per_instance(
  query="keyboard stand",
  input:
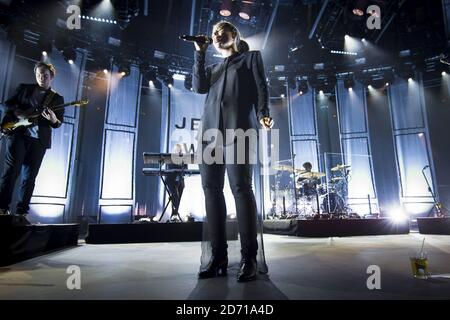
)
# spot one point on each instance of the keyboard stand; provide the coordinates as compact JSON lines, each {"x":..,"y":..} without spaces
{"x":170,"y":195}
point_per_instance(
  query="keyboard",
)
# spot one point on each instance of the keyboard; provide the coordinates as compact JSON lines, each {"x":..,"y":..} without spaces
{"x":155,"y":172}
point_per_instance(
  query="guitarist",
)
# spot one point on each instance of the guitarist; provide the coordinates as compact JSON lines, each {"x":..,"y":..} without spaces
{"x":26,"y":147}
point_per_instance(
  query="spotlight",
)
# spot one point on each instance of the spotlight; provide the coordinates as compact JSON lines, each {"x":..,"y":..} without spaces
{"x":346,"y":37}
{"x":388,"y":77}
{"x":46,"y":45}
{"x":407,"y":71}
{"x":369,"y":86}
{"x":358,"y":9}
{"x":444,"y":73}
{"x":168,"y":81}
{"x":349,"y":82}
{"x":302,"y":87}
{"x":105,"y":71}
{"x":124,"y":70}
{"x":225,"y":8}
{"x":398,"y":215}
{"x":320,"y":91}
{"x":69,"y":54}
{"x":282,"y":95}
{"x":150,"y":77}
{"x":245,"y":11}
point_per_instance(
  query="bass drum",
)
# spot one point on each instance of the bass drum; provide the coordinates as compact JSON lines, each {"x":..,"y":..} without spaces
{"x":333,"y":203}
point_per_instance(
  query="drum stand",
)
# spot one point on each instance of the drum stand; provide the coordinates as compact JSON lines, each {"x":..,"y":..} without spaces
{"x":317,"y":200}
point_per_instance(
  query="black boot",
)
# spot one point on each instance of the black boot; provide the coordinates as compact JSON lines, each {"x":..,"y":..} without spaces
{"x":216,"y":267}
{"x":248,"y":270}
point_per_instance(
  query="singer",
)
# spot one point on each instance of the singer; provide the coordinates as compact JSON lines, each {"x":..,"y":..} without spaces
{"x":237,"y":94}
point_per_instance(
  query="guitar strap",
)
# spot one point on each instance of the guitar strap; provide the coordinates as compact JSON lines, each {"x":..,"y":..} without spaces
{"x":48,"y":98}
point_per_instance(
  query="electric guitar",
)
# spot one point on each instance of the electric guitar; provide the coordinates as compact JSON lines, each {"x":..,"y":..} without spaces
{"x":12,"y":123}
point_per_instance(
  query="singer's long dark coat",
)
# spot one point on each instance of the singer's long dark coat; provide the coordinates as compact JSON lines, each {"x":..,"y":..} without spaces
{"x":236,"y":89}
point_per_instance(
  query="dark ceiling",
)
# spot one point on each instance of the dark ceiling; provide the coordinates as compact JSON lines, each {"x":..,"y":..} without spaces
{"x":290,"y":32}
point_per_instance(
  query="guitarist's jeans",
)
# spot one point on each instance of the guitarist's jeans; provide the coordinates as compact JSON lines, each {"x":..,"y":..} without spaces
{"x":21,"y":152}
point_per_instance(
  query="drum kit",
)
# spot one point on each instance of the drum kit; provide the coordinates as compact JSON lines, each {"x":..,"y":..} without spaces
{"x":312,"y":197}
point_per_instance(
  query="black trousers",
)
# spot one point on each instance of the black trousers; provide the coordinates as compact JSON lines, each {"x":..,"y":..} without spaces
{"x":240,"y":179}
{"x":22,"y":153}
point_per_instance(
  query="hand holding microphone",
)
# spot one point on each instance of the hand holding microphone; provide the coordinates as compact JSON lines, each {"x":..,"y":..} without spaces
{"x":201,"y":42}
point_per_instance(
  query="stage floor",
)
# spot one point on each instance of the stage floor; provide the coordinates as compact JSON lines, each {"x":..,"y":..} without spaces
{"x":299,"y":268}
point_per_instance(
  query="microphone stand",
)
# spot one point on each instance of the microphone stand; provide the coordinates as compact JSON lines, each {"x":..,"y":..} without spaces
{"x":436,"y":204}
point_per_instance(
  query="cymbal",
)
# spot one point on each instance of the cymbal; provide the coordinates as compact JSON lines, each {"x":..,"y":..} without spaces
{"x":340,"y":167}
{"x":312,"y":175}
{"x":284,"y":167}
{"x":336,"y":179}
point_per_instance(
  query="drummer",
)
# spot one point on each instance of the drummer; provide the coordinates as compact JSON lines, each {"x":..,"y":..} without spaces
{"x":308,"y":167}
{"x":308,"y":184}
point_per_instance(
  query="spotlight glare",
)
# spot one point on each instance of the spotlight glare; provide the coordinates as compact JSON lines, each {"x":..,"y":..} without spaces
{"x":321,"y":91}
{"x":105,"y":71}
{"x":369,"y":86}
{"x":70,"y":61}
{"x":363,"y":39}
{"x":387,"y":83}
{"x":300,"y":93}
{"x":350,"y":89}
{"x":410,"y":80}
{"x":346,"y":37}
{"x":123,"y":73}
{"x":170,"y":85}
{"x":150,"y":83}
{"x":444,"y":73}
{"x":225,"y":13}
{"x":244,"y":15}
{"x":398,"y":215}
{"x":44,"y":53}
{"x":358,"y":12}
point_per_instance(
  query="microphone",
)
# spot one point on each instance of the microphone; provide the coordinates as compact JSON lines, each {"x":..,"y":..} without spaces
{"x":198,"y":39}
